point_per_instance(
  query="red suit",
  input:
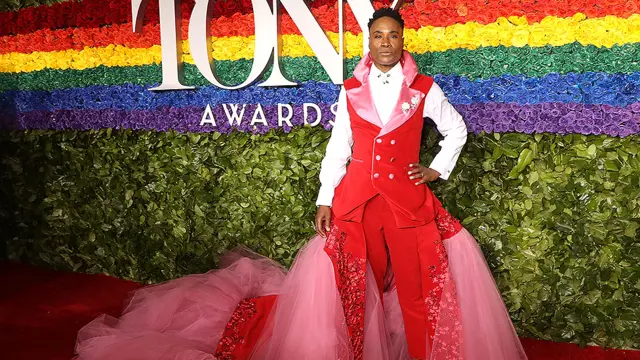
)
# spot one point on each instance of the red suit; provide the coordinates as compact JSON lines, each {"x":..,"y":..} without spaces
{"x":380,"y":163}
{"x":377,"y":206}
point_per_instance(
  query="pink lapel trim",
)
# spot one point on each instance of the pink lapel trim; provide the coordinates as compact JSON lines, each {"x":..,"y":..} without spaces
{"x":411,"y":98}
{"x":360,"y":97}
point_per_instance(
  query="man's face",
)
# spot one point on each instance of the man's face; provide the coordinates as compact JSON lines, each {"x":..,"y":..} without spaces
{"x":386,"y":43}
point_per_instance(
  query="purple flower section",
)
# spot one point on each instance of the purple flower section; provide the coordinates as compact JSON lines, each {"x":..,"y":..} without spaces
{"x":559,"y":118}
{"x":188,"y":119}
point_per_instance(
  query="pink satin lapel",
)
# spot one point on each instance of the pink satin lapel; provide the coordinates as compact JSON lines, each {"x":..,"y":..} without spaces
{"x":363,"y":68}
{"x":399,"y":117}
{"x":409,"y":67}
{"x":362,"y":102}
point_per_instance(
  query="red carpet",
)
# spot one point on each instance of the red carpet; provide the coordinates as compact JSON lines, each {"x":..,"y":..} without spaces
{"x":41,"y":311}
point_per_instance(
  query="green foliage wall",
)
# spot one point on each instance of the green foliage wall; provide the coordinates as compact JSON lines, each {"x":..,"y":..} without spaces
{"x":557,"y":216}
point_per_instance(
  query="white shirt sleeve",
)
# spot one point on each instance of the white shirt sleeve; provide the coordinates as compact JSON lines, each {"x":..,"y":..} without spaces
{"x":451,"y":125}
{"x":334,"y":164}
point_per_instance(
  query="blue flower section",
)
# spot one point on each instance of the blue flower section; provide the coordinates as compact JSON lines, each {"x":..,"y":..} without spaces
{"x":136,"y":97}
{"x":588,"y":88}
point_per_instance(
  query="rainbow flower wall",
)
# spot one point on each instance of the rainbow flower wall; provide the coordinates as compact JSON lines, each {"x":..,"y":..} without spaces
{"x":560,"y":67}
{"x":102,"y":175}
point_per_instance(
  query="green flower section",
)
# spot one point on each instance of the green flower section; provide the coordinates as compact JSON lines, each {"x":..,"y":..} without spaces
{"x":556,"y":216}
{"x":482,"y":63}
{"x":14,"y":5}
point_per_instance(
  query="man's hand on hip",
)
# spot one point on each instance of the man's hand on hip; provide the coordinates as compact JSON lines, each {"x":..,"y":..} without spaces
{"x":422,"y":173}
{"x":323,"y":219}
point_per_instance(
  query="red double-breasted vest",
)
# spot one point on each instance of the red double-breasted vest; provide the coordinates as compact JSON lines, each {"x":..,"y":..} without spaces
{"x":380,"y":159}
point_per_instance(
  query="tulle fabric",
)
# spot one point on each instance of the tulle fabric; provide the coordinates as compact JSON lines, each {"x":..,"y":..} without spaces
{"x":487,"y":327}
{"x":182,"y":319}
{"x":185,"y":319}
{"x":307,"y":321}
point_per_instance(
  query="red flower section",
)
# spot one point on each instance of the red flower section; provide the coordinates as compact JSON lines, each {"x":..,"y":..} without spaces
{"x":416,"y":16}
{"x":96,"y":13}
{"x":122,"y":34}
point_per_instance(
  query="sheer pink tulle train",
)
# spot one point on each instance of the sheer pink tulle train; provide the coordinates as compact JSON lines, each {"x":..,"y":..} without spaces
{"x":187,"y":318}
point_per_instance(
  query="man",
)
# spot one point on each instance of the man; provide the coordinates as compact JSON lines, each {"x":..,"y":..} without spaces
{"x":380,"y":200}
{"x":439,"y":281}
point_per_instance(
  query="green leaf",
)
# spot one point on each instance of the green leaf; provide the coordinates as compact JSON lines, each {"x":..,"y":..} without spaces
{"x":528,"y":204}
{"x":586,"y":152}
{"x":198,"y":211}
{"x":592,"y":297}
{"x":631,"y":229}
{"x":610,"y":165}
{"x":525,"y":158}
{"x":497,"y":153}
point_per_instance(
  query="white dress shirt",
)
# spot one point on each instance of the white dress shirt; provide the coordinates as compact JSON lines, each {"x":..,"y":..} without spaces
{"x":385,"y":90}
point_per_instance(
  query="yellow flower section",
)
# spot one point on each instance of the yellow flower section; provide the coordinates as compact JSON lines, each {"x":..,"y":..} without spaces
{"x":512,"y":31}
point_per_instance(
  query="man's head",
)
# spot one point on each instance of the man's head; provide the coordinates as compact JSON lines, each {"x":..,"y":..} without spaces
{"x":386,"y":39}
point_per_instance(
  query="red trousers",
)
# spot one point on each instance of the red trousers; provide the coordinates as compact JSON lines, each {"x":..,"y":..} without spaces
{"x":418,"y":259}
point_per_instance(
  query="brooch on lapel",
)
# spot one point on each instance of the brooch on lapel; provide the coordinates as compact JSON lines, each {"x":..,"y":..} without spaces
{"x":414,"y":102}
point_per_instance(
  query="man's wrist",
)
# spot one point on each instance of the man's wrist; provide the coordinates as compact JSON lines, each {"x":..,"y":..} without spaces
{"x":440,"y":168}
{"x":438,"y":173}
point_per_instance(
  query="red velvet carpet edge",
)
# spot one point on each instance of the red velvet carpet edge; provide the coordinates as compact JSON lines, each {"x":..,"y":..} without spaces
{"x":41,"y":311}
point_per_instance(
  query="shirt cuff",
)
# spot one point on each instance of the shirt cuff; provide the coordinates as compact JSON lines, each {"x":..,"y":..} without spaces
{"x":325,"y":196}
{"x":440,"y":165}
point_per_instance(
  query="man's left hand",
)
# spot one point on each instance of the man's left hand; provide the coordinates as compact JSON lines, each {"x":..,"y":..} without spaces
{"x":423,"y":173}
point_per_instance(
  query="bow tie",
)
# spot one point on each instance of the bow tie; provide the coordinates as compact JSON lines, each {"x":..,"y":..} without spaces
{"x":384,"y":78}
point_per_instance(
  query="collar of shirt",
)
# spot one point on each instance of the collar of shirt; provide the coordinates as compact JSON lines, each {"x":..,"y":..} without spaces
{"x":394,"y":75}
{"x":385,"y":90}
